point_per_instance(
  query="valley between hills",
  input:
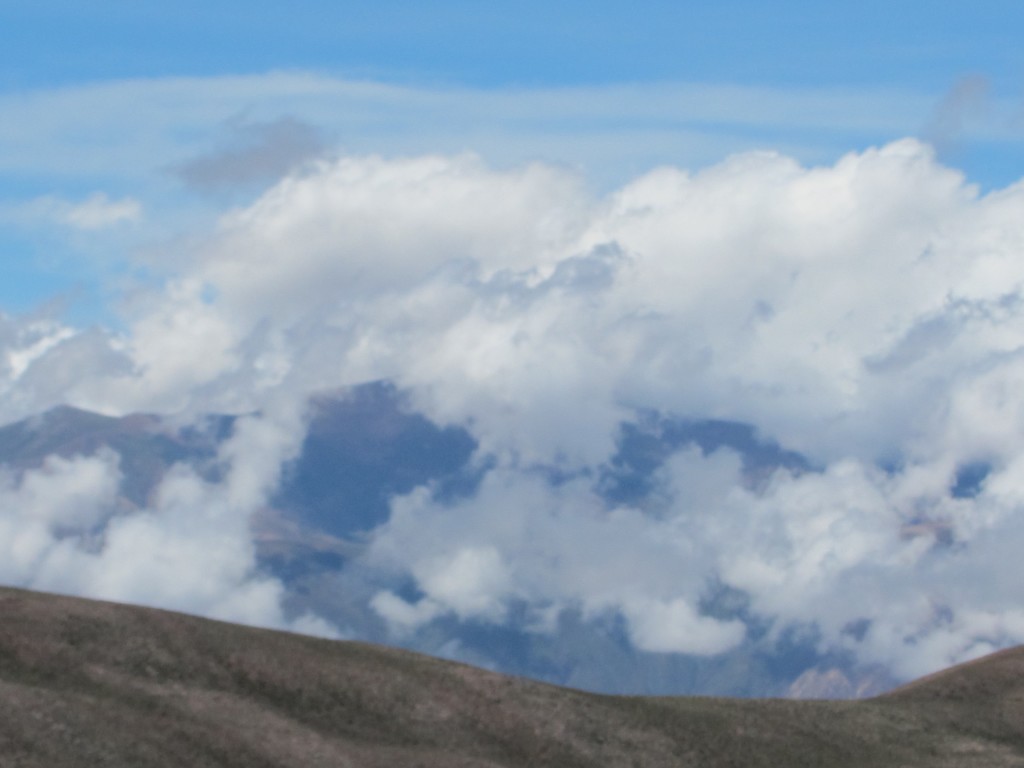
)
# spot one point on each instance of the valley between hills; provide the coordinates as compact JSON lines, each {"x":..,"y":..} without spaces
{"x":87,"y":683}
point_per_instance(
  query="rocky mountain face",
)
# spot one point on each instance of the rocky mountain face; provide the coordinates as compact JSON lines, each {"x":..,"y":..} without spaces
{"x":106,"y":685}
{"x":362,"y":448}
{"x":834,"y":683}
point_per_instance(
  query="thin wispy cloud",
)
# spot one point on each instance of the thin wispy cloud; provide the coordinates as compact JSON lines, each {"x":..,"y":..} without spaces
{"x":94,"y":213}
{"x":135,"y":126}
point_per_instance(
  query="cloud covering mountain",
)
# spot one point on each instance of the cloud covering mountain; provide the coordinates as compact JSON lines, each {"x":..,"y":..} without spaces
{"x":867,"y":315}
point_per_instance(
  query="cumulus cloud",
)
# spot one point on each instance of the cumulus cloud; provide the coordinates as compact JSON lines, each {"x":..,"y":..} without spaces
{"x":866,"y":313}
{"x":66,"y":528}
{"x":676,"y":627}
{"x":61,"y":499}
{"x":520,"y":539}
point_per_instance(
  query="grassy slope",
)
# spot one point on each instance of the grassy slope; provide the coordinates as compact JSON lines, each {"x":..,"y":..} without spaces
{"x":96,"y":684}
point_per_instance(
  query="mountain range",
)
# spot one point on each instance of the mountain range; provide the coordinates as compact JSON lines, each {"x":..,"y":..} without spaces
{"x":365,"y":446}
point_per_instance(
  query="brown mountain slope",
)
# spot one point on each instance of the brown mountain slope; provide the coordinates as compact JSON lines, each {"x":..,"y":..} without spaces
{"x":97,"y":684}
{"x":997,"y":679}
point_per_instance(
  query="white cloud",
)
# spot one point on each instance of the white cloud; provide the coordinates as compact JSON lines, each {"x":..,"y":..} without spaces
{"x":62,"y":498}
{"x":65,"y":528}
{"x":36,"y":339}
{"x":99,"y":212}
{"x":675,"y":627}
{"x":96,"y":212}
{"x":519,"y":539}
{"x":403,"y":615}
{"x":471,"y":582}
{"x":863,"y":312}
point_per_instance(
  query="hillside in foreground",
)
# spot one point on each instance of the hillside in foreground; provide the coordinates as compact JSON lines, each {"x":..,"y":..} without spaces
{"x":100,"y":684}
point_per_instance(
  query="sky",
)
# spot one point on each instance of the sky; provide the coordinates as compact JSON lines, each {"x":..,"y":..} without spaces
{"x":537,"y":221}
{"x":122,"y":99}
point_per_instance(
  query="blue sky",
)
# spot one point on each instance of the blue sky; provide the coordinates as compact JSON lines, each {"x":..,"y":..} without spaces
{"x":908,"y":43}
{"x":820,"y":79}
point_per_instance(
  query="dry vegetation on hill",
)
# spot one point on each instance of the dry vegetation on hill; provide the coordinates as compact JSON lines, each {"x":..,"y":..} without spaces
{"x":98,"y":684}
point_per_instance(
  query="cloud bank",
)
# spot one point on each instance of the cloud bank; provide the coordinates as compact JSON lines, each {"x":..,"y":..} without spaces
{"x":867,"y":314}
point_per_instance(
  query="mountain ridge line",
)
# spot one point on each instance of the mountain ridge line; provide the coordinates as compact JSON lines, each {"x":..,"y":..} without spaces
{"x":87,"y":682}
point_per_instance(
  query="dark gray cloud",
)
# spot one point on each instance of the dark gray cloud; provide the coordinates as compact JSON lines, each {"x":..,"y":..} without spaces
{"x":253,"y":153}
{"x":965,"y":102}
